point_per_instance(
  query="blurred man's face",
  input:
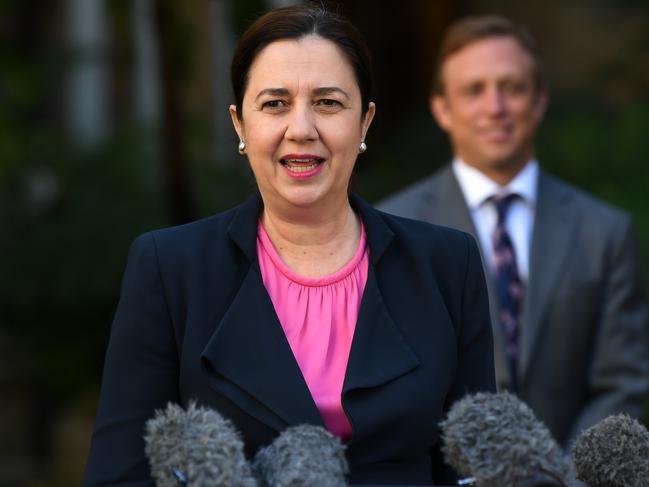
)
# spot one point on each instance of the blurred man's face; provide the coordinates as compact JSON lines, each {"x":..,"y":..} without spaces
{"x":491,"y":106}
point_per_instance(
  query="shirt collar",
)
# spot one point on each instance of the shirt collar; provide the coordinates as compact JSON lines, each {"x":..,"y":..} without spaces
{"x":477,"y":187}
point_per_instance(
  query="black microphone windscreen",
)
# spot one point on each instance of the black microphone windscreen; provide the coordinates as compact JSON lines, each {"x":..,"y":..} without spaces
{"x":613,"y":453}
{"x":196,"y":447}
{"x":497,"y":439}
{"x":303,"y":455}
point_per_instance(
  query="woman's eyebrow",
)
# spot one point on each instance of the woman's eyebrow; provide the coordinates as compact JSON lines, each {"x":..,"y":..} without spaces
{"x":324,"y":90}
{"x":272,"y":92}
{"x":328,"y":90}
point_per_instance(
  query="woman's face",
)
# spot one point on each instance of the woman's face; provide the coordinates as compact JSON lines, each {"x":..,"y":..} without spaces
{"x":301,"y":122}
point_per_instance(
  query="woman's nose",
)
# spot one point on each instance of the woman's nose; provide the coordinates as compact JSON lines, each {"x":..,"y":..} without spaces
{"x":301,"y":124}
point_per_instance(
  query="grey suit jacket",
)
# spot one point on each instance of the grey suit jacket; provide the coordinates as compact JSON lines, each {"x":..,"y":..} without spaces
{"x":583,"y":338}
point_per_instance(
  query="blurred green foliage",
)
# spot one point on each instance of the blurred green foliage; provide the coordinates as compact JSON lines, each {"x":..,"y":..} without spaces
{"x":604,"y":151}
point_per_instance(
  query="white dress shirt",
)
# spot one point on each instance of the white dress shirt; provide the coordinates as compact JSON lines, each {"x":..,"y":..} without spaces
{"x":478,"y":188}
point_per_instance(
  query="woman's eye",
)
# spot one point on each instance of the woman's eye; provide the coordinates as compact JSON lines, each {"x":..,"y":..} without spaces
{"x":329,"y":102}
{"x":274,"y":104}
{"x":327,"y":105}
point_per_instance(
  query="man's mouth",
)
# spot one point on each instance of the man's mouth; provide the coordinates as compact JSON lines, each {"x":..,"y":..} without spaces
{"x":496,"y":133}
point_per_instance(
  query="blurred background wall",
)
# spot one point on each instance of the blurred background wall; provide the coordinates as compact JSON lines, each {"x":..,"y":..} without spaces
{"x":113,"y":121}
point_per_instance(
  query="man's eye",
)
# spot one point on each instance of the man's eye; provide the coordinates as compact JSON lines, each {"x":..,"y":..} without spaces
{"x":516,"y":88}
{"x":474,"y":89}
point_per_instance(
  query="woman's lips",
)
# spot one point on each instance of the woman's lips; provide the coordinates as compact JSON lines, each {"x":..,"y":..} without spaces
{"x":302,"y":166}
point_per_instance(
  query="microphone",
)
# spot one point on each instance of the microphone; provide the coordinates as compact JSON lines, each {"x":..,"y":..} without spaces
{"x":303,"y":455}
{"x":497,"y":440}
{"x":612,"y":453}
{"x":196,"y":447}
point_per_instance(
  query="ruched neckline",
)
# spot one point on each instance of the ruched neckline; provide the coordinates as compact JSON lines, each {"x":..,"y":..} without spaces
{"x":337,"y":276}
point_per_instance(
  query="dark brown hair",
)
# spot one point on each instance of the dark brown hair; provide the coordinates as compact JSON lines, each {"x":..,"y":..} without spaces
{"x":295,"y":22}
{"x":472,"y":29}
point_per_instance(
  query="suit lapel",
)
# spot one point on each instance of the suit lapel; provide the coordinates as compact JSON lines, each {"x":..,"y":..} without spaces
{"x":443,"y":204}
{"x":555,"y":222}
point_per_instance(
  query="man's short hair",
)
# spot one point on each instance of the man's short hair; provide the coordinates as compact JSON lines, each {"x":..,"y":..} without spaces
{"x":475,"y":28}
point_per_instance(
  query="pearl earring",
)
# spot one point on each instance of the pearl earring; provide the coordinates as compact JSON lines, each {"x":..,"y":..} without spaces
{"x":242,"y":147}
{"x":362,"y":147}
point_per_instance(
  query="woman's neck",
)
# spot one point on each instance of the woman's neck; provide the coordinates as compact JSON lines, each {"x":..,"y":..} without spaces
{"x":314,"y":247}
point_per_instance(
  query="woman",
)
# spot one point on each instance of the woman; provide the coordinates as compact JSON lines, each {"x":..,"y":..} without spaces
{"x":304,"y":304}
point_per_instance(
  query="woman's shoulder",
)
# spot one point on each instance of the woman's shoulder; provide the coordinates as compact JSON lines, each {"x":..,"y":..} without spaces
{"x":187,"y":234}
{"x":206,"y":235}
{"x":423,"y":232}
{"x":407,"y":229}
{"x":211,"y":225}
{"x":450,"y":252}
{"x":431,"y":254}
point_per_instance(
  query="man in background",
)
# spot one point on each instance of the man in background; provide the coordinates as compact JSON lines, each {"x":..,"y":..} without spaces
{"x":567,"y":300}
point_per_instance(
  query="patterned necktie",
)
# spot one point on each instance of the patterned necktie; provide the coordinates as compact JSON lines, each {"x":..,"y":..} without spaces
{"x":508,"y":284}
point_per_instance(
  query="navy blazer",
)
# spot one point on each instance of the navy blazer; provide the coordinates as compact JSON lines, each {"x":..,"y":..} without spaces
{"x":194,"y":321}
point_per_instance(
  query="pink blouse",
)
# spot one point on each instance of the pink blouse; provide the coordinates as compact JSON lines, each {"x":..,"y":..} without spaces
{"x":318,"y":316}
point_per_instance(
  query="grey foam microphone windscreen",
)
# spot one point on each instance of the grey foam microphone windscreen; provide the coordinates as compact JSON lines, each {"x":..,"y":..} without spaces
{"x":497,"y":439}
{"x":303,"y":455}
{"x":196,"y":447}
{"x":613,"y":453}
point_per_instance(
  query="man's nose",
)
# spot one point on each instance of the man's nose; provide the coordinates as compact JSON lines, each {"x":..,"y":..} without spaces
{"x":495,"y":103}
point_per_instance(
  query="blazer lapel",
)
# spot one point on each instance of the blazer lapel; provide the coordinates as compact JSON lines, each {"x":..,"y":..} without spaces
{"x":262,"y":363}
{"x":379,"y":353}
{"x":555,"y":222}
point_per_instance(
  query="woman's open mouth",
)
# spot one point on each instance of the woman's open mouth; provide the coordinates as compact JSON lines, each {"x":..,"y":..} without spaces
{"x":303,"y":166}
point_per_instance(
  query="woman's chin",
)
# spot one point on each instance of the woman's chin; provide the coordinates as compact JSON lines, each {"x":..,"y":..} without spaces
{"x":305,"y":197}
